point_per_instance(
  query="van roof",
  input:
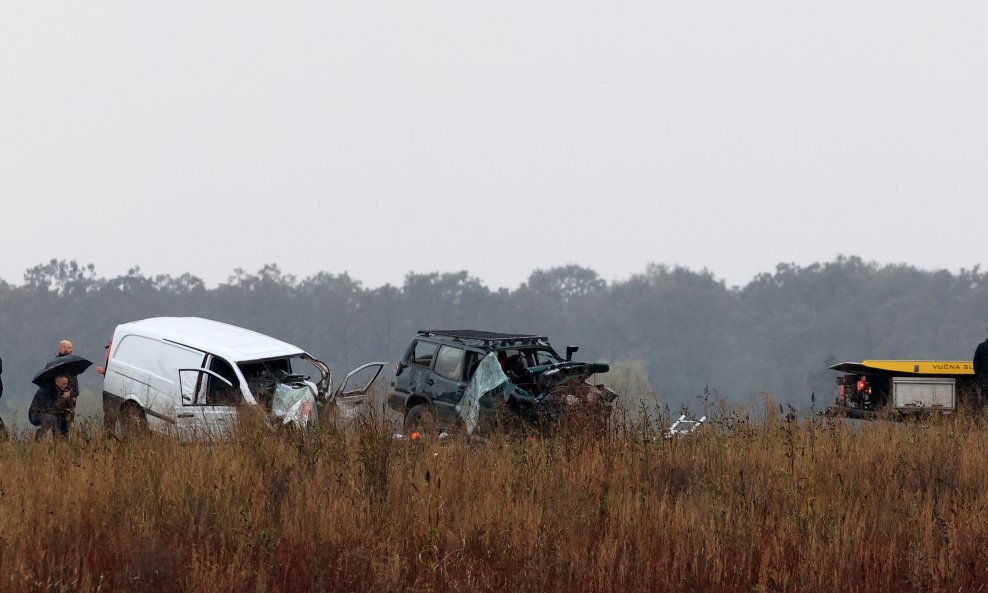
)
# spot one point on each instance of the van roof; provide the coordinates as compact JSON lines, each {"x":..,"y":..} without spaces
{"x":222,"y":339}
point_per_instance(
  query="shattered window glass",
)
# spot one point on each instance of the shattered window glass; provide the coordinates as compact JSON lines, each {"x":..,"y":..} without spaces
{"x":487,"y":377}
{"x":544,"y":357}
{"x":295,"y":404}
{"x":449,"y":363}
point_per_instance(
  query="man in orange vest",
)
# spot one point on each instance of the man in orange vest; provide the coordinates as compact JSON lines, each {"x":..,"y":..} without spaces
{"x":861,"y":391}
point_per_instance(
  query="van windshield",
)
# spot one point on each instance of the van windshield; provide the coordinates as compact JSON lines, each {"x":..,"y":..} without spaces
{"x":265,"y":378}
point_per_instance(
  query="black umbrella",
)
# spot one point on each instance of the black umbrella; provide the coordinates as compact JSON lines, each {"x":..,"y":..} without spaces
{"x":63,"y":365}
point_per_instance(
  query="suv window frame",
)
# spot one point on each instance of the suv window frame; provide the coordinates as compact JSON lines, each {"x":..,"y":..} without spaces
{"x":460,"y":363}
{"x":412,"y":360}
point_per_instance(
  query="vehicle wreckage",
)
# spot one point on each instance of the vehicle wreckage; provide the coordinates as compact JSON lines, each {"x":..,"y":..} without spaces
{"x":189,"y":377}
{"x":474,"y":381}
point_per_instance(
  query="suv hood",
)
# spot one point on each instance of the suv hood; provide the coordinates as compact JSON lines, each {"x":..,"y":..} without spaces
{"x":565,"y":373}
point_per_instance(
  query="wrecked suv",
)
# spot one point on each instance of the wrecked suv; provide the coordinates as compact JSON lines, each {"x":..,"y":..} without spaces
{"x":471,"y":380}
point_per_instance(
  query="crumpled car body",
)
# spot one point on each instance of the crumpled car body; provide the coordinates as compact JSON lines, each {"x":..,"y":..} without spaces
{"x":192,"y":377}
{"x":472,"y":380}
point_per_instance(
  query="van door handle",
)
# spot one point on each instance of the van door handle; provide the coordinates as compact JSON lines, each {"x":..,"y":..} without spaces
{"x":186,"y":415}
{"x":430,"y":382}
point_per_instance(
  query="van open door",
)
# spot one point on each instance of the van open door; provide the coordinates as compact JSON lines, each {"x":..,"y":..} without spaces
{"x":209,"y":405}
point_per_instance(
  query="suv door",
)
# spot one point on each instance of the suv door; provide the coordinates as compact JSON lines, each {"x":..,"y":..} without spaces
{"x":415,"y":369}
{"x":446,"y":383}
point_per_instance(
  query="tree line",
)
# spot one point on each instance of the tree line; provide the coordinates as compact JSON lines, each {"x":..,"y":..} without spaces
{"x":685,"y":331}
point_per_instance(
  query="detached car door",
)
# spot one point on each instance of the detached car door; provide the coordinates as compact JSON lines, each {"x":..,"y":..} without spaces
{"x":353,"y":396}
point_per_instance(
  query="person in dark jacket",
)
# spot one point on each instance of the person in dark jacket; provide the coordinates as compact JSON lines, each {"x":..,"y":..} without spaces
{"x":3,"y":428}
{"x":65,"y":348}
{"x":51,"y":407}
{"x":981,"y":365}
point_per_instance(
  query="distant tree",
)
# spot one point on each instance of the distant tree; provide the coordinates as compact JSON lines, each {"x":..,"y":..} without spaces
{"x":269,"y":276}
{"x":564,"y":283}
{"x":182,"y":285}
{"x":61,"y":277}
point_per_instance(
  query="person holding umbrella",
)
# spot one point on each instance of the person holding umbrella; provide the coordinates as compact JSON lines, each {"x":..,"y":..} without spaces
{"x":49,"y":408}
{"x":65,"y":349}
{"x":53,"y":405}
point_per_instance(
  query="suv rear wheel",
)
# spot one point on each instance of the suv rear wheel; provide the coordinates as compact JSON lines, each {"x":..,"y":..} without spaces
{"x":420,"y":419}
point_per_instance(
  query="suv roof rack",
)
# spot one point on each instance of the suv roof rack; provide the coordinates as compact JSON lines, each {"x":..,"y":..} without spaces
{"x":472,"y":334}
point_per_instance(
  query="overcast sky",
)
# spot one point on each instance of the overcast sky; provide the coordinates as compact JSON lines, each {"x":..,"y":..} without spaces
{"x":498,"y":137}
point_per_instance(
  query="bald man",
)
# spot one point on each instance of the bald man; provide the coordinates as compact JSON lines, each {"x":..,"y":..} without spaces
{"x":65,"y":349}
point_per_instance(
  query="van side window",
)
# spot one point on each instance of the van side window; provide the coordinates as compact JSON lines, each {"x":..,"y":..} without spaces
{"x":191,"y":382}
{"x":138,"y":352}
{"x":219,"y":393}
{"x":449,"y":363}
{"x":423,"y":353}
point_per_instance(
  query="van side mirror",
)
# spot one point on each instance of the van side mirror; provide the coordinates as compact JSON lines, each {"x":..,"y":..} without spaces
{"x":569,"y":352}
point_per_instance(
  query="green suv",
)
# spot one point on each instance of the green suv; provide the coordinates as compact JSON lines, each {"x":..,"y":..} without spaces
{"x":468,"y":379}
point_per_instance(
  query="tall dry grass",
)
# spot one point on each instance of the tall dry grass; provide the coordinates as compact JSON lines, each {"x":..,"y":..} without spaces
{"x":774,"y":504}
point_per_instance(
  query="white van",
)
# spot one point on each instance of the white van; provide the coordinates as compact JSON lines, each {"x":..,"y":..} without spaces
{"x":188,"y":376}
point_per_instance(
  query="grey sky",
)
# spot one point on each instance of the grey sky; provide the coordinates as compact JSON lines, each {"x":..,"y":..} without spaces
{"x":205,"y":136}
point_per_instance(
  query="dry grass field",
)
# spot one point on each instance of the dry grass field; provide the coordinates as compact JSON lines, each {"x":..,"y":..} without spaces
{"x":774,"y":504}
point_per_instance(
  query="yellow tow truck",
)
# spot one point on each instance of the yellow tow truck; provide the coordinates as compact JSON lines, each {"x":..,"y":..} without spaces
{"x":902,"y":387}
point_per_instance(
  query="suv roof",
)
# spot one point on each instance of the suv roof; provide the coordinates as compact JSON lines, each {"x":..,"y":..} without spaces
{"x":480,"y":338}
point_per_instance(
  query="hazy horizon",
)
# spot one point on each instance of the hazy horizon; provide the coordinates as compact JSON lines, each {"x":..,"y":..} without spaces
{"x":213,"y":282}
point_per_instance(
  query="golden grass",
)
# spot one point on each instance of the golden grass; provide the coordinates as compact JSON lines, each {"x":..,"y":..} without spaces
{"x":779,"y":504}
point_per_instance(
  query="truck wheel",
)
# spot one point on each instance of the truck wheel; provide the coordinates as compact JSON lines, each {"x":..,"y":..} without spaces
{"x":133,"y":421}
{"x":420,"y":419}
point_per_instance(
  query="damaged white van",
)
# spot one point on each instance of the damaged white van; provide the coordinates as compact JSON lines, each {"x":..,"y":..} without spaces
{"x":188,"y":376}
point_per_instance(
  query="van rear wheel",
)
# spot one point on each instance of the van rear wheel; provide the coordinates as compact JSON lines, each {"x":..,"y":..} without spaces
{"x":133,"y":421}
